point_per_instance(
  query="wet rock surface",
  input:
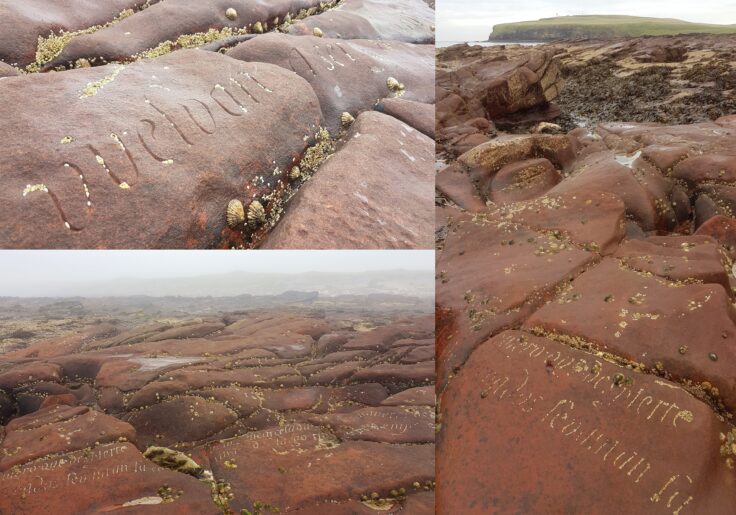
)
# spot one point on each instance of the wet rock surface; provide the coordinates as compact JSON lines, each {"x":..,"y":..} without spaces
{"x":178,"y":425}
{"x":203,"y":150}
{"x":585,"y":306}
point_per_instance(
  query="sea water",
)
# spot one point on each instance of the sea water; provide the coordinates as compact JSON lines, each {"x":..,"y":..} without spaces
{"x":442,"y":44}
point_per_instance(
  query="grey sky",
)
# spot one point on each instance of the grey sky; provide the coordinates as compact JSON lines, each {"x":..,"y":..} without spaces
{"x":28,"y":270}
{"x":469,"y":20}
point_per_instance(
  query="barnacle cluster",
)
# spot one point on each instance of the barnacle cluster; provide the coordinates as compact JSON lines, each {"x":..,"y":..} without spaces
{"x":396,"y":87}
{"x":318,"y":153}
{"x":728,"y":447}
{"x":50,"y":47}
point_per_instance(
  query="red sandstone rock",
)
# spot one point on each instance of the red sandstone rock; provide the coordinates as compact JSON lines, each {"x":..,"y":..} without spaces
{"x":584,"y":333}
{"x":245,"y":397}
{"x":375,"y":192}
{"x":400,"y":20}
{"x":7,"y":71}
{"x":480,"y":82}
{"x":106,"y":478}
{"x":175,"y":184}
{"x":166,"y":21}
{"x":299,"y":465}
{"x":343,"y":73}
{"x":565,"y":414}
{"x":22,"y":23}
{"x":71,"y":430}
{"x":417,"y":114}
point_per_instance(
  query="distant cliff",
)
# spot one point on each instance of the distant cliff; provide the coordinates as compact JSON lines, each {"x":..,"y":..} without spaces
{"x":599,"y":27}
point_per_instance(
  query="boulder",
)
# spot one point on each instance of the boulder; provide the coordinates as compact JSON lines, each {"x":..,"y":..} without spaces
{"x":486,"y":83}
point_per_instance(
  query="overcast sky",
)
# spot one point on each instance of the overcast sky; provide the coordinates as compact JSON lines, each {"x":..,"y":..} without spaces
{"x":22,"y":270}
{"x":471,"y":20}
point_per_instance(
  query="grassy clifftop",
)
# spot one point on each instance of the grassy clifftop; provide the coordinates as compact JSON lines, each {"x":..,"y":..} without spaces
{"x":603,"y":26}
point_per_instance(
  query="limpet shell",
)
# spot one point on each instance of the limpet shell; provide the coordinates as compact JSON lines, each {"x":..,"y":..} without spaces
{"x":318,"y":32}
{"x":235,"y":213}
{"x":295,"y":173}
{"x":395,"y":86}
{"x":256,"y":213}
{"x":231,"y":14}
{"x":346,"y":118}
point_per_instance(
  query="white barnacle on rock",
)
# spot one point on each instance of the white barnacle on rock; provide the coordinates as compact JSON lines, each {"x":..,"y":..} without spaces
{"x":256,"y":214}
{"x":317,"y":32}
{"x":295,"y":173}
{"x":258,"y":28}
{"x":30,"y":188}
{"x":117,"y":140}
{"x":235,"y":213}
{"x":231,"y":14}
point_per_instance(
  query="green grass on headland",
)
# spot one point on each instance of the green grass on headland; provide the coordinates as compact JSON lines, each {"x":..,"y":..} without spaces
{"x":601,"y":27}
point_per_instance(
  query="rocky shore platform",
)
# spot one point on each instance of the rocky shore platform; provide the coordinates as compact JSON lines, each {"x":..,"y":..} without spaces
{"x":217,"y":124}
{"x":579,"y":83}
{"x":586,"y":330}
{"x":259,"y":412}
